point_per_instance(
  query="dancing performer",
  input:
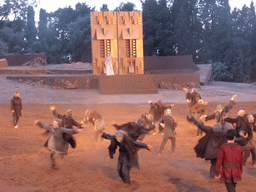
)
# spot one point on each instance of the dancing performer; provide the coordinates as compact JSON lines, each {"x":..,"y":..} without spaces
{"x":192,"y":97}
{"x":16,"y":108}
{"x":135,"y":131}
{"x":128,"y":156}
{"x":68,"y":122}
{"x":196,"y":106}
{"x":220,"y":113}
{"x":208,"y":146}
{"x":146,"y":120}
{"x":56,"y":143}
{"x":197,"y":111}
{"x":168,"y":125}
{"x":157,"y":110}
{"x":246,"y":132}
{"x":96,"y":120}
{"x":239,"y":121}
{"x":230,"y":159}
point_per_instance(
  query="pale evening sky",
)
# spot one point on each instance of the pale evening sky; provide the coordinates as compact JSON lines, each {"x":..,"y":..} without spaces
{"x":53,"y":5}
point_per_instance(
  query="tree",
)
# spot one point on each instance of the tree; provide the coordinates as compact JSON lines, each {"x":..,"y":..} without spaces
{"x":30,"y":31}
{"x":104,"y":7}
{"x":165,"y":30}
{"x":80,"y":40}
{"x":80,"y":35}
{"x":3,"y":48}
{"x":83,"y":9}
{"x":187,"y":28}
{"x":252,"y":41}
{"x":68,"y":35}
{"x":11,"y":42}
{"x":126,"y":7}
{"x":221,"y":72}
{"x":150,"y":27}
{"x":182,"y":33}
{"x":42,"y":24}
{"x":13,"y":8}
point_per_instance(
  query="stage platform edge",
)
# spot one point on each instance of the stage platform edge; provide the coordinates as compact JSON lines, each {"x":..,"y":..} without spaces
{"x":116,"y":84}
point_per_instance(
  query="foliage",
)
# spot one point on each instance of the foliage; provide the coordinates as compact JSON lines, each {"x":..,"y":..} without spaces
{"x":80,"y":39}
{"x":42,"y":24}
{"x":30,"y":29}
{"x":3,"y":48}
{"x":13,"y":8}
{"x":220,"y":72}
{"x":206,"y":29}
{"x":126,"y":7}
{"x":12,"y":41}
{"x":104,"y":7}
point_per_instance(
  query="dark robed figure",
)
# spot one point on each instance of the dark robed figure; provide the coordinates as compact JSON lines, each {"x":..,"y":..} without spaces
{"x":16,"y":108}
{"x":128,"y":156}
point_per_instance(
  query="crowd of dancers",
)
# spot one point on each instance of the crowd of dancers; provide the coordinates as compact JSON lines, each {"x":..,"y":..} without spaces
{"x":227,"y":144}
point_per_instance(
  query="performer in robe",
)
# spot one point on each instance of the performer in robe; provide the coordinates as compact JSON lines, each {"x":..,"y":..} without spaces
{"x":68,"y":122}
{"x":168,"y":125}
{"x":135,"y":131}
{"x":230,"y":162}
{"x":96,"y":120}
{"x":128,"y":156}
{"x":108,"y":66}
{"x":208,"y":146}
{"x":220,"y":113}
{"x":56,"y":143}
{"x":16,"y":108}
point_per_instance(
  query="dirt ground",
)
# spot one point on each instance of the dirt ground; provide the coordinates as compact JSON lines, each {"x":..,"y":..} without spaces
{"x":25,"y":163}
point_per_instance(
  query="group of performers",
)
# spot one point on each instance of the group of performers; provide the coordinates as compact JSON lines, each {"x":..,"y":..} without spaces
{"x":227,"y":147}
{"x":128,"y":137}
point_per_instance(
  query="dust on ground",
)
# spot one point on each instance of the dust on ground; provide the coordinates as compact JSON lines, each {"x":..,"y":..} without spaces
{"x":25,"y":163}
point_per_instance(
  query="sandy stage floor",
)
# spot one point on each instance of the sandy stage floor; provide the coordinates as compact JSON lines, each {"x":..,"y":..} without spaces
{"x":25,"y":163}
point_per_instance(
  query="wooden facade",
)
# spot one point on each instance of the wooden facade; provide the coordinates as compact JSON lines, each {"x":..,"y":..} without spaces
{"x":119,"y":34}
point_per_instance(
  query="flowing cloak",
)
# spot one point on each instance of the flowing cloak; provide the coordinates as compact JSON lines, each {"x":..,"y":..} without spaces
{"x":108,"y":66}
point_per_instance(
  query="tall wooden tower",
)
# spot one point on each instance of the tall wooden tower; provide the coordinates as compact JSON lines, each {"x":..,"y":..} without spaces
{"x":119,"y":34}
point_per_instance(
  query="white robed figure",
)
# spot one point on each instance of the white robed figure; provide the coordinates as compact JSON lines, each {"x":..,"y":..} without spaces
{"x":108,"y":66}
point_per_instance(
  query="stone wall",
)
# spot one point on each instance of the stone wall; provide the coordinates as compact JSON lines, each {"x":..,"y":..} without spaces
{"x":122,"y":84}
{"x":18,"y":60}
{"x":3,"y":63}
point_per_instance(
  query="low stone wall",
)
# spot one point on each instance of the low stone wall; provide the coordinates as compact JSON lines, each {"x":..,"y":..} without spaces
{"x":55,"y":80}
{"x":18,"y":60}
{"x":98,"y":82}
{"x":3,"y":63}
{"x":43,"y":71}
{"x":179,"y":78}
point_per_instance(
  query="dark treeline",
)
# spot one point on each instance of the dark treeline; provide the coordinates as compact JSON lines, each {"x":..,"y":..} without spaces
{"x":207,"y":29}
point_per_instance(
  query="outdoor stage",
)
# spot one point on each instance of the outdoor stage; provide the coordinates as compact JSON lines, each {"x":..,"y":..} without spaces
{"x":116,"y":84}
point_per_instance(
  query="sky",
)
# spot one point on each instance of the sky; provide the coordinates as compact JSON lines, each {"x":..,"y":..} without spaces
{"x":53,"y":5}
